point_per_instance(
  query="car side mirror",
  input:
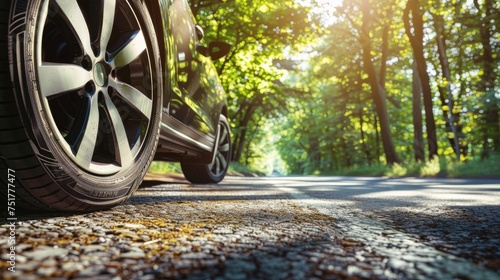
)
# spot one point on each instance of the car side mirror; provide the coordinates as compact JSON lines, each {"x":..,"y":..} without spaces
{"x":215,"y":50}
{"x":219,"y":49}
{"x":199,"y":32}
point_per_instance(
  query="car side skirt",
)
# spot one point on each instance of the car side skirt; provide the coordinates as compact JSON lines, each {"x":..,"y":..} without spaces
{"x":180,"y":143}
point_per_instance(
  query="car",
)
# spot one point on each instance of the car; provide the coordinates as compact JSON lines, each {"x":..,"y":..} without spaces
{"x":93,"y":91}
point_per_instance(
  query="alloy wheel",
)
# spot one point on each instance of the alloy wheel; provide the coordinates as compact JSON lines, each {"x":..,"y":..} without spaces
{"x":94,"y":81}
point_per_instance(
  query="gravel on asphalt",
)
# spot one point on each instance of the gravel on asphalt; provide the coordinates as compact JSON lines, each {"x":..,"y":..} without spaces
{"x":154,"y":236}
{"x":180,"y":231}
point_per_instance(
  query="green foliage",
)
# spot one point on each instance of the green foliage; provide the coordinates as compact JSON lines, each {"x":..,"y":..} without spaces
{"x":162,"y":167}
{"x":418,"y":169}
{"x":374,"y":170}
{"x":444,"y":167}
{"x":238,"y":169}
{"x":430,"y":168}
{"x":261,"y":33}
{"x":489,"y":167}
{"x":333,"y":124}
{"x":299,"y":94}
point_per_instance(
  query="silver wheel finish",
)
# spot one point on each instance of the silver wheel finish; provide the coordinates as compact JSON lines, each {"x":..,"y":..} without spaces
{"x":102,"y":71}
{"x":219,"y":166}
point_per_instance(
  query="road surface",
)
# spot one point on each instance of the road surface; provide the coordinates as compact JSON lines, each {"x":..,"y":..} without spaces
{"x":272,"y":228}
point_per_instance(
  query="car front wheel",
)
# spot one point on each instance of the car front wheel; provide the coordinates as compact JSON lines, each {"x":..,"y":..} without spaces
{"x":81,"y":120}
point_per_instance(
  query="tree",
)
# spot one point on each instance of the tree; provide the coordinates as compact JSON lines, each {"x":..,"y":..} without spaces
{"x":418,"y":136}
{"x":414,"y":26}
{"x":259,"y":32}
{"x":376,"y":83}
{"x":336,"y":84}
{"x":446,"y":94}
{"x":491,"y":117}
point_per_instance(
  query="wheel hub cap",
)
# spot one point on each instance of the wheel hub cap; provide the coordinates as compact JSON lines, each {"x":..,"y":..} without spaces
{"x":100,"y":76}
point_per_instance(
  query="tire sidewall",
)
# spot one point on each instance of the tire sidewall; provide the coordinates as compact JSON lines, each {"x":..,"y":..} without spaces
{"x":82,"y":185}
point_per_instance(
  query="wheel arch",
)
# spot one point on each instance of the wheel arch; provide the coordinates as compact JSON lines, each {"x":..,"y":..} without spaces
{"x":224,"y":111}
{"x":154,"y":10}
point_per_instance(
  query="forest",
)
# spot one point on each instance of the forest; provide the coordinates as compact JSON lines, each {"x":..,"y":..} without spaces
{"x":319,"y":86}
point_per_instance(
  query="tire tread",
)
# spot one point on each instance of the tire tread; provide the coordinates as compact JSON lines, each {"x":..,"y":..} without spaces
{"x":15,"y":150}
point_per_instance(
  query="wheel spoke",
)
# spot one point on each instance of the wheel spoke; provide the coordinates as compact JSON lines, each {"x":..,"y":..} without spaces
{"x":223,"y":133}
{"x":224,"y":148}
{"x":86,"y":55}
{"x":220,"y":162}
{"x":217,"y":166}
{"x":223,"y":162}
{"x":134,"y":97}
{"x":108,"y":18}
{"x":73,"y":13}
{"x":122,"y":146}
{"x":130,"y":50}
{"x":58,"y":78}
{"x":89,"y":137}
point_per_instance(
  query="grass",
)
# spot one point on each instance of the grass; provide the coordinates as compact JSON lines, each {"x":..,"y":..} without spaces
{"x":443,"y":167}
{"x":161,"y":167}
{"x":417,"y":169}
{"x":236,"y":168}
{"x":372,"y":170}
{"x":476,"y":168}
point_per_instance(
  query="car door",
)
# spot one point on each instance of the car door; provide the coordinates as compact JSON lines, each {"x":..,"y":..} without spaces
{"x":194,"y":99}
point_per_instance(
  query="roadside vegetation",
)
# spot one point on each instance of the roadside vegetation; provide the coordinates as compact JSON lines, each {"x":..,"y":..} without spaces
{"x":442,"y":168}
{"x":235,"y":169}
{"x":361,"y":87}
{"x":161,"y":167}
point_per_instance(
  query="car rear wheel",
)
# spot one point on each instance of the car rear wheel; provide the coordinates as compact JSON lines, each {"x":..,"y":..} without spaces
{"x":215,"y":171}
{"x":81,"y":119}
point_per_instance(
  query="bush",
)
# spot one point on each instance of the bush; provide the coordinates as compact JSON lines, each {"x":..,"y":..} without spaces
{"x":475,"y":168}
{"x":161,"y":167}
{"x":236,"y":168}
{"x":447,"y":167}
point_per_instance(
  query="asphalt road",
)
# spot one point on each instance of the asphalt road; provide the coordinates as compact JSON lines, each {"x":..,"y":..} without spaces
{"x":428,"y":228}
{"x":272,"y":228}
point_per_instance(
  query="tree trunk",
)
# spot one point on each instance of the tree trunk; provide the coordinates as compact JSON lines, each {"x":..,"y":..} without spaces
{"x":377,"y":136}
{"x":418,"y":135}
{"x":415,"y":31}
{"x":385,"y":54}
{"x":366,"y":150}
{"x":247,"y":148}
{"x":239,"y":145}
{"x":378,"y":92}
{"x":491,"y":111}
{"x":464,"y":147}
{"x":314,"y":154}
{"x":448,"y":102}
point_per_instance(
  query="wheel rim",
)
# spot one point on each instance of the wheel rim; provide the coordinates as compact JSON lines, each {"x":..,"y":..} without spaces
{"x":221,"y":161}
{"x":94,"y":81}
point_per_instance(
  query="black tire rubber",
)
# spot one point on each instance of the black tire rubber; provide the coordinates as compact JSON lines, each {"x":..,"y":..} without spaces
{"x":44,"y":176}
{"x":210,"y":173}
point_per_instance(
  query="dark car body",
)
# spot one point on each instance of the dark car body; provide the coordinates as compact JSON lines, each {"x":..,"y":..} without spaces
{"x":194,"y":97}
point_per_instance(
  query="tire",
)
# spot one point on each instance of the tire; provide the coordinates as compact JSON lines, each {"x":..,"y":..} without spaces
{"x":215,"y":171}
{"x":80,"y":117}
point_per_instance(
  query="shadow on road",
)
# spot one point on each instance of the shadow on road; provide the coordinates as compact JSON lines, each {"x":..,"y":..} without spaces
{"x":378,"y":192}
{"x":457,"y":216}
